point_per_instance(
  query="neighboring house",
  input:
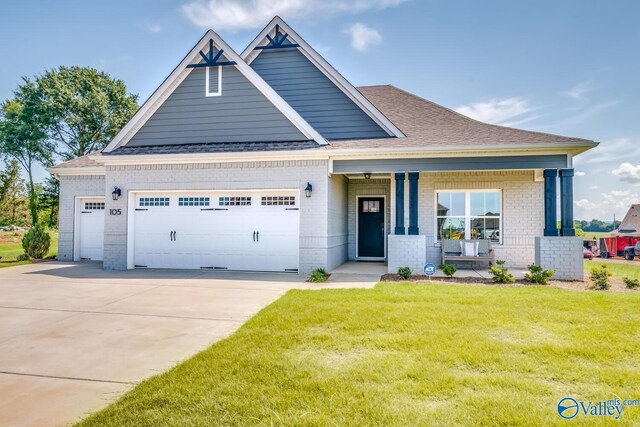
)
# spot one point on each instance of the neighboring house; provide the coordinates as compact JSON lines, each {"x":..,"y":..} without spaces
{"x":272,"y":160}
{"x":630,"y":225}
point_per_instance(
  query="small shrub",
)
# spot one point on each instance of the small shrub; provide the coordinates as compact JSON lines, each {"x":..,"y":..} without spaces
{"x":600,"y":276}
{"x":631,"y":283}
{"x":448,"y":270}
{"x":319,"y":275}
{"x":404,"y":272}
{"x":500,"y":273}
{"x":538,"y":275}
{"x":36,"y":242}
{"x":23,"y":257}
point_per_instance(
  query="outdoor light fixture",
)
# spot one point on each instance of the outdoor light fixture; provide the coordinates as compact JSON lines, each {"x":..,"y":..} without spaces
{"x":116,"y":193}
{"x":367,"y":175}
{"x":308,"y":189}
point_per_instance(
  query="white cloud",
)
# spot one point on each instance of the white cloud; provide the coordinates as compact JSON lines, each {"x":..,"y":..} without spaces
{"x":614,"y":202}
{"x":585,"y":204}
{"x":582,"y":116}
{"x":498,"y":111}
{"x":154,"y":28}
{"x":628,"y":173}
{"x":579,"y":91}
{"x":248,"y":14}
{"x":580,"y":173}
{"x":610,"y":151}
{"x":593,"y":187}
{"x":362,"y":37}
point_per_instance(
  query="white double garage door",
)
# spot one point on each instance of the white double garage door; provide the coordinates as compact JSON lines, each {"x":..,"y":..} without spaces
{"x":247,"y":230}
{"x":234,"y":230}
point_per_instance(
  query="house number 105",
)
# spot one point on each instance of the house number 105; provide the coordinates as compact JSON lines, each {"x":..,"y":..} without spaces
{"x":115,"y":211}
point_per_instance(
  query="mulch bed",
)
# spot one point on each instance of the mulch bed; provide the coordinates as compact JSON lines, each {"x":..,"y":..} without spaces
{"x":617,"y":285}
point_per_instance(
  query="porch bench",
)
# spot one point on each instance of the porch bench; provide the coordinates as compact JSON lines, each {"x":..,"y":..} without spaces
{"x":451,"y":251}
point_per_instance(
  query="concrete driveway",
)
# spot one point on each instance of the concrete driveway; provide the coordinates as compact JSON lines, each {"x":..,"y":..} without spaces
{"x":74,"y":337}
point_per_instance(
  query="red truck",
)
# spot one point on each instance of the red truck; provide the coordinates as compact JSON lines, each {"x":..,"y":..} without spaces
{"x":619,"y":246}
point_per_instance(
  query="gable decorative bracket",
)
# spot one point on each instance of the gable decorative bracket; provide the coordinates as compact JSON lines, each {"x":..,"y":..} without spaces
{"x":277,"y":41}
{"x":211,"y":60}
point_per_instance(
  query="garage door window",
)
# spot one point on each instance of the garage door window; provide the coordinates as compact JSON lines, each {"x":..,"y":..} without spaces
{"x":93,"y":206}
{"x":154,"y":201}
{"x":278,"y":200}
{"x":193,"y":201}
{"x":234,"y":201}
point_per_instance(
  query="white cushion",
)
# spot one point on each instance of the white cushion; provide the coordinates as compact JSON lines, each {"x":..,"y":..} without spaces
{"x":469,"y":248}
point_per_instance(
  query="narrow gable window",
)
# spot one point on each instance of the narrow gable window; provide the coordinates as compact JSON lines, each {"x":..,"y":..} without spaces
{"x":213,"y":81}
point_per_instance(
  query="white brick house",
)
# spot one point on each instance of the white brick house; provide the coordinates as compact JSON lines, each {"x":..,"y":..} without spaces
{"x":271,"y":160}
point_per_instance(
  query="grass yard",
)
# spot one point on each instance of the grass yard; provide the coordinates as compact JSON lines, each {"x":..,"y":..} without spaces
{"x":596,"y":234}
{"x":618,"y":269}
{"x":11,"y":247}
{"x":404,"y":354}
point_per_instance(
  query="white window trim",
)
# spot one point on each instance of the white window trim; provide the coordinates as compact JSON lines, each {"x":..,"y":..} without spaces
{"x":206,"y":83}
{"x":467,"y":211}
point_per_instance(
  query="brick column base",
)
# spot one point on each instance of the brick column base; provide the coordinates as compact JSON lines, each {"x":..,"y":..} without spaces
{"x":406,"y":251}
{"x":562,"y":254}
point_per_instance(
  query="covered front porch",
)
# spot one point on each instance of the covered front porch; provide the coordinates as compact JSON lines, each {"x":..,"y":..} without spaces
{"x":399,"y":217}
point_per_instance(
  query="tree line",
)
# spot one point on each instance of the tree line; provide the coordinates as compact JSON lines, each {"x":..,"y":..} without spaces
{"x":64,"y":113}
{"x":596,"y":225}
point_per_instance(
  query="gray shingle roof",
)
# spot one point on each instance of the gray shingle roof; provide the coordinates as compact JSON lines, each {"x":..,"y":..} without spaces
{"x":81,"y":162}
{"x":427,"y":124}
{"x":227,"y":147}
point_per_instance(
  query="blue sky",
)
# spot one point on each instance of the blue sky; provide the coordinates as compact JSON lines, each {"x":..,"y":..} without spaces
{"x":567,"y":67}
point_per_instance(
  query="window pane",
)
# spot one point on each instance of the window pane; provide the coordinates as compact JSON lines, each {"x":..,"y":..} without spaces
{"x":492,"y":203}
{"x":450,"y":228}
{"x":477,"y":204}
{"x":457,"y":204}
{"x":485,"y":228}
{"x":444,"y":204}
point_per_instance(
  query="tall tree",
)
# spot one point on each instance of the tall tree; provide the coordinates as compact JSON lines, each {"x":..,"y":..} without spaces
{"x":86,"y":108}
{"x":13,"y":200}
{"x":23,"y":136}
{"x":49,"y":201}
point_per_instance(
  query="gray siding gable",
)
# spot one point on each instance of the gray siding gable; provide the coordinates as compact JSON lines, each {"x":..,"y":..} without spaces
{"x":241,"y":114}
{"x":316,"y":98}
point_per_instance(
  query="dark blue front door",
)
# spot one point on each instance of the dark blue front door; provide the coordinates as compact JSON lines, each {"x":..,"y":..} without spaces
{"x":371,"y":227}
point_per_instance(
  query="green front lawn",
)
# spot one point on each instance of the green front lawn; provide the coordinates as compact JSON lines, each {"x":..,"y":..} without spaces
{"x":618,"y":270}
{"x":404,"y":354}
{"x":11,"y":247}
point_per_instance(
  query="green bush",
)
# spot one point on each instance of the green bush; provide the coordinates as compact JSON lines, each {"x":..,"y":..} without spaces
{"x":319,"y":275}
{"x":23,"y":257}
{"x":631,"y":283}
{"x":448,"y":270}
{"x":538,"y":275}
{"x":600,"y":276}
{"x":500,"y":273}
{"x":404,"y":272}
{"x":36,"y":242}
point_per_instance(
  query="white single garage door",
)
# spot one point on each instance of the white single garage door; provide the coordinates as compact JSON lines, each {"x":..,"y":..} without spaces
{"x":235,"y":230}
{"x":89,"y":228}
